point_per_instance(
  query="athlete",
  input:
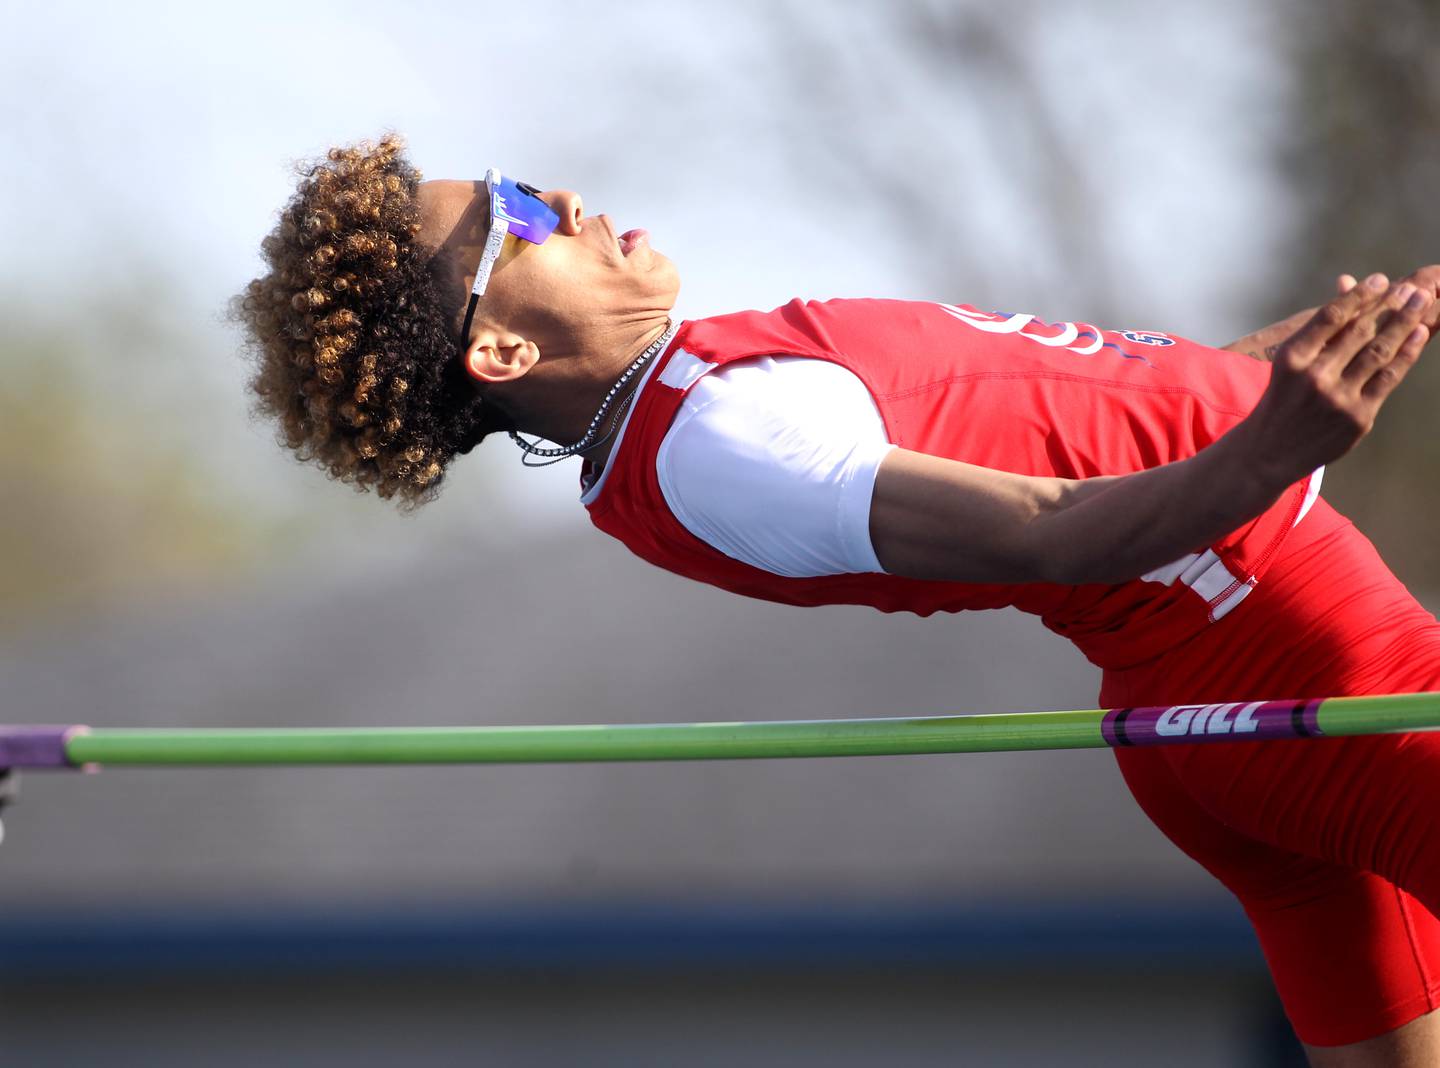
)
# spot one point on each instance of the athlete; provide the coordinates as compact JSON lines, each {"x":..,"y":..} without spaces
{"x":1154,"y":500}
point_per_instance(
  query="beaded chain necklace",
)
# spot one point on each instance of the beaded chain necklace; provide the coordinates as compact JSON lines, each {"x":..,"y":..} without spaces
{"x":554,"y":456}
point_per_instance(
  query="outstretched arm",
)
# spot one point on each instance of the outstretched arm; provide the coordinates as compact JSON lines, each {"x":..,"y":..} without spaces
{"x":1264,"y":343}
{"x":933,"y":518}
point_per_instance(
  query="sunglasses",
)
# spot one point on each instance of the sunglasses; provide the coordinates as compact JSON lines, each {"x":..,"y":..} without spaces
{"x":516,"y":211}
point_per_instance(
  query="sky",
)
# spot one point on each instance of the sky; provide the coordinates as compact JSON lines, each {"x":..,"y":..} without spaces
{"x":151,"y":145}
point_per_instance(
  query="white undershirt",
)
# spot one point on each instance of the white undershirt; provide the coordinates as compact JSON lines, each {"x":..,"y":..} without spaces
{"x":772,"y":461}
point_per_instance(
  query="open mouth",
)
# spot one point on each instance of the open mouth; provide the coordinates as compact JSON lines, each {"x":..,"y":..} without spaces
{"x":630,"y":240}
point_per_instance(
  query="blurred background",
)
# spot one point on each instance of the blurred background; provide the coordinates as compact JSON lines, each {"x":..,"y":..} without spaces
{"x":1197,"y":168}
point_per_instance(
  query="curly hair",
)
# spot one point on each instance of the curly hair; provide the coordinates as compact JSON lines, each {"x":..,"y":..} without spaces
{"x":353,"y":331}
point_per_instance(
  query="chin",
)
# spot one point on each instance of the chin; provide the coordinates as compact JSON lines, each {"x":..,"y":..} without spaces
{"x":669,"y":273}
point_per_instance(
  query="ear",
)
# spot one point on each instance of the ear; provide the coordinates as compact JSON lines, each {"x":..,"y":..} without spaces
{"x":496,"y":355}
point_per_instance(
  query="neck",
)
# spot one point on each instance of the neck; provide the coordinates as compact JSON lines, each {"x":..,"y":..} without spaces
{"x":620,"y":404}
{"x":559,"y":398}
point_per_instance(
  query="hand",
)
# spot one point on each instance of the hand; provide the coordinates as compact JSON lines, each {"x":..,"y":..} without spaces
{"x":1426,"y":278}
{"x":1332,"y":375}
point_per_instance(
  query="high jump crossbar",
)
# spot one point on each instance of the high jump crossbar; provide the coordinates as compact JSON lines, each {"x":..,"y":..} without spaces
{"x":78,"y":746}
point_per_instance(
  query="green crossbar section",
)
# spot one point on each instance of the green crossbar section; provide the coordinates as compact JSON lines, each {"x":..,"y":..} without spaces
{"x":1086,"y":729}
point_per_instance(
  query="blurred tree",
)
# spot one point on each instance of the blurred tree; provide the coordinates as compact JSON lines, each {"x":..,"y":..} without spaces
{"x":1362,"y":163}
{"x":105,"y":487}
{"x":919,"y":105}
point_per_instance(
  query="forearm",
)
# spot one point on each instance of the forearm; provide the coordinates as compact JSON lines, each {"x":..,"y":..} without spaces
{"x":1265,"y":342}
{"x":1019,"y":528}
{"x":1111,"y":530}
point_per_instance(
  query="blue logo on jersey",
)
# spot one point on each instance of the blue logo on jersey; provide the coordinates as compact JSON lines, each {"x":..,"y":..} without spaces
{"x":1144,"y":337}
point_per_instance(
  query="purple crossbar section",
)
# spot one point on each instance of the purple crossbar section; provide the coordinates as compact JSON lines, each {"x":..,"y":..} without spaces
{"x":1237,"y":721}
{"x":37,"y":747}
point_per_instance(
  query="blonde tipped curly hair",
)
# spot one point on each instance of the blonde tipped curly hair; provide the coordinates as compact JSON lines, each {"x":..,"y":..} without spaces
{"x":353,"y":329}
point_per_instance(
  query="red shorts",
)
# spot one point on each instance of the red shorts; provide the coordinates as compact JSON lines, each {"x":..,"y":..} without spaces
{"x":1333,"y":845}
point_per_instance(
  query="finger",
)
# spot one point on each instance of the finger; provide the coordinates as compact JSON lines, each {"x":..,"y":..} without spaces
{"x":1345,"y":283}
{"x":1386,"y":378}
{"x":1372,"y":337}
{"x":1428,"y":279}
{"x":1300,"y":349}
{"x":1339,"y":352}
{"x":1406,"y":304}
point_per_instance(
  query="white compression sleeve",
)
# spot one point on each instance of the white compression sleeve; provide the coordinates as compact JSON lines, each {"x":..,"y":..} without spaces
{"x":772,"y":461}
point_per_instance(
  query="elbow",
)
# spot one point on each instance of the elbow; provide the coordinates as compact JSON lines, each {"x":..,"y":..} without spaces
{"x":1069,"y":561}
{"x":1062,"y":569}
{"x":1038,"y":557}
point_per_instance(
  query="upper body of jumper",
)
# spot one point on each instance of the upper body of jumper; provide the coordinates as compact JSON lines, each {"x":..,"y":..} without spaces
{"x":382,"y":362}
{"x":760,"y":473}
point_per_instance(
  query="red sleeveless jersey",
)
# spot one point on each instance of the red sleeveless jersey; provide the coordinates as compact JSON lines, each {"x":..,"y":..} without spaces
{"x":1002,"y":391}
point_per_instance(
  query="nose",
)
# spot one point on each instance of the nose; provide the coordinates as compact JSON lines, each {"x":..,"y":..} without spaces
{"x":567,"y":204}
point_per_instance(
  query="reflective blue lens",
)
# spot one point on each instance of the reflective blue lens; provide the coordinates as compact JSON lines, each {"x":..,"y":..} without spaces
{"x":529,"y":216}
